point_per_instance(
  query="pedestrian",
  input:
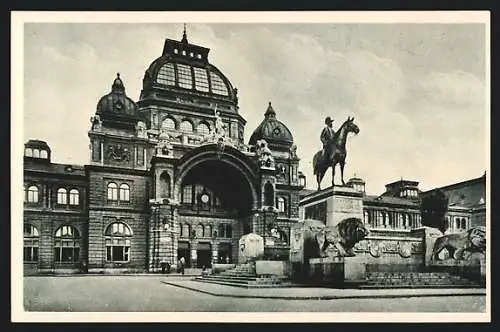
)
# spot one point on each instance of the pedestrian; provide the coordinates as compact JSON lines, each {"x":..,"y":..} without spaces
{"x":182,"y":262}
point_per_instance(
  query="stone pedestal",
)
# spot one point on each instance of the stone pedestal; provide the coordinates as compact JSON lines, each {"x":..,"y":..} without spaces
{"x":354,"y":268}
{"x":345,"y":202}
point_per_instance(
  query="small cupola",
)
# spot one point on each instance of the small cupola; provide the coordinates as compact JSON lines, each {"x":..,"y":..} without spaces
{"x":273,"y":131}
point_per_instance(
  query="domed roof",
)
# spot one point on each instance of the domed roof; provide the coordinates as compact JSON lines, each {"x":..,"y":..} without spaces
{"x":272,"y":130}
{"x":116,"y":105}
{"x":184,"y":67}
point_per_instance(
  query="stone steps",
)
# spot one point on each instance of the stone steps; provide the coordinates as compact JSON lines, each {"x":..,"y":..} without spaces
{"x":243,"y":285}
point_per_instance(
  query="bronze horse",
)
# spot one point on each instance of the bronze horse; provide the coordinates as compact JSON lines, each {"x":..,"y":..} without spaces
{"x":335,"y":152}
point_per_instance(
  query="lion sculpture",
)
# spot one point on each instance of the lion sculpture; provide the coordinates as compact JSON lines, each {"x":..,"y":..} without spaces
{"x":339,"y":240}
{"x":458,"y":244}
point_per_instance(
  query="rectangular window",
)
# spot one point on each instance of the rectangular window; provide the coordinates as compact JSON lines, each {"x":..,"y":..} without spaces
{"x":187,"y":194}
{"x":166,"y":74}
{"x":184,"y":76}
{"x":234,"y":130}
{"x":140,"y":155}
{"x":201,"y":79}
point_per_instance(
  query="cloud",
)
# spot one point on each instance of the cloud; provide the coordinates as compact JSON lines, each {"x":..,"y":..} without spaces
{"x":415,"y":121}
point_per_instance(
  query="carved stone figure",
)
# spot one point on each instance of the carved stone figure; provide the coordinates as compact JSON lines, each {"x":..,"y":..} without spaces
{"x":459,"y":245}
{"x":219,"y":125}
{"x":96,"y":122}
{"x":164,"y":146}
{"x":334,"y":152}
{"x":293,"y":151}
{"x":118,"y":153}
{"x":264,"y":154}
{"x":340,"y":239}
{"x":141,"y":130}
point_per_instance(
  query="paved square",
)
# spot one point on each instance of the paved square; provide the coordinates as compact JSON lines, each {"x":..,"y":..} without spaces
{"x":150,"y":294}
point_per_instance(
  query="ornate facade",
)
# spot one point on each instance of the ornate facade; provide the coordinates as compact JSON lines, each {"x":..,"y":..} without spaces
{"x":169,"y":176}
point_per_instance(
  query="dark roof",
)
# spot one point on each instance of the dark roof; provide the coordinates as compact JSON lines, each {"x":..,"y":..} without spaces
{"x":390,"y":200}
{"x":467,"y":193}
{"x":271,"y":130}
{"x":53,"y":168}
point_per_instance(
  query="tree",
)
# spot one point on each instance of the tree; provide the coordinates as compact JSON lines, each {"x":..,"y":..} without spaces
{"x":433,"y":208}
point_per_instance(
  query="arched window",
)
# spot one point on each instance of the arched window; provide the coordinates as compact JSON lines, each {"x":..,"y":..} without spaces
{"x":186,"y":230}
{"x":166,"y":74}
{"x":44,"y":154}
{"x":457,"y":223}
{"x":168,"y":124}
{"x":36,"y":153}
{"x":74,"y":197}
{"x":281,"y":204}
{"x":164,"y":185}
{"x":187,"y":194}
{"x":124,"y":192}
{"x":67,"y":244}
{"x":268,"y":194}
{"x":203,"y":129}
{"x":199,"y":231}
{"x":229,"y":230}
{"x":118,"y":237}
{"x":186,"y":126}
{"x":28,"y":152}
{"x":62,"y":196}
{"x":31,"y":238}
{"x":463,"y":224}
{"x":208,"y":231}
{"x":33,"y":194}
{"x":112,"y":191}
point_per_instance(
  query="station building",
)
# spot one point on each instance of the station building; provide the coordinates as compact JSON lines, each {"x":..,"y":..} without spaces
{"x":170,"y":176}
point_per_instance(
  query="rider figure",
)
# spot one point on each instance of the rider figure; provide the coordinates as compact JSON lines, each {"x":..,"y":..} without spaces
{"x":327,"y":133}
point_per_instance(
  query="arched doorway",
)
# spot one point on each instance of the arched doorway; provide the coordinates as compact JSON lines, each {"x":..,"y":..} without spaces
{"x":215,"y":193}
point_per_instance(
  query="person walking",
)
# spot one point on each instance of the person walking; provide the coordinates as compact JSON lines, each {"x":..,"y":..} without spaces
{"x":182,"y":263}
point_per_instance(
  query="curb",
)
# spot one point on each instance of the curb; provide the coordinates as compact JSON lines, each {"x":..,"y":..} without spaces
{"x":326,"y":297}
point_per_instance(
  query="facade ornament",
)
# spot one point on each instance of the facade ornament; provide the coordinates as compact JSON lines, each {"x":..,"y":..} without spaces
{"x":118,"y":153}
{"x":264,"y":154}
{"x":140,"y":129}
{"x":96,"y":122}
{"x":293,"y":151}
{"x":404,"y":249}
{"x":164,"y":146}
{"x":374,"y":249}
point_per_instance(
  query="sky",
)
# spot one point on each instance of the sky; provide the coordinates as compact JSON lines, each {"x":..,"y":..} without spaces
{"x":416,"y":91}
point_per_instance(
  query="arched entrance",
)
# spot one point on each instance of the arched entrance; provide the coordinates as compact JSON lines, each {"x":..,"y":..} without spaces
{"x":217,"y":199}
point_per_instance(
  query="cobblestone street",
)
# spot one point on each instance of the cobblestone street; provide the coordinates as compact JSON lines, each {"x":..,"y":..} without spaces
{"x":149,"y":294}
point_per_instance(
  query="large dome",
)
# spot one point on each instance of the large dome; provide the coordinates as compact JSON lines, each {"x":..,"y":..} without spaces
{"x":184,"y":68}
{"x":272,"y":130}
{"x":116,"y":106}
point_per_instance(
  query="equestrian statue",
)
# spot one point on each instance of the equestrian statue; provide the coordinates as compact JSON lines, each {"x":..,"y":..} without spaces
{"x":334,"y":151}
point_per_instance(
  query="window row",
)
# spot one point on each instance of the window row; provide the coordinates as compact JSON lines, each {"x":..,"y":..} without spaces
{"x":400,"y":220}
{"x":189,"y":77}
{"x":191,"y":54}
{"x":31,"y":195}
{"x":67,"y":243}
{"x":457,"y":223}
{"x":186,"y":126}
{"x":198,"y":194}
{"x":121,"y":193}
{"x":201,"y":231}
{"x":36,"y":153}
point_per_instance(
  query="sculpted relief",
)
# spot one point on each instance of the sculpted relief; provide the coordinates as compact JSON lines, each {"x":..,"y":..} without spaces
{"x":118,"y":153}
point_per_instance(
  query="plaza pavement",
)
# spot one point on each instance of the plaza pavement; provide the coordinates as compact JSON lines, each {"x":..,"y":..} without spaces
{"x":157,"y":293}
